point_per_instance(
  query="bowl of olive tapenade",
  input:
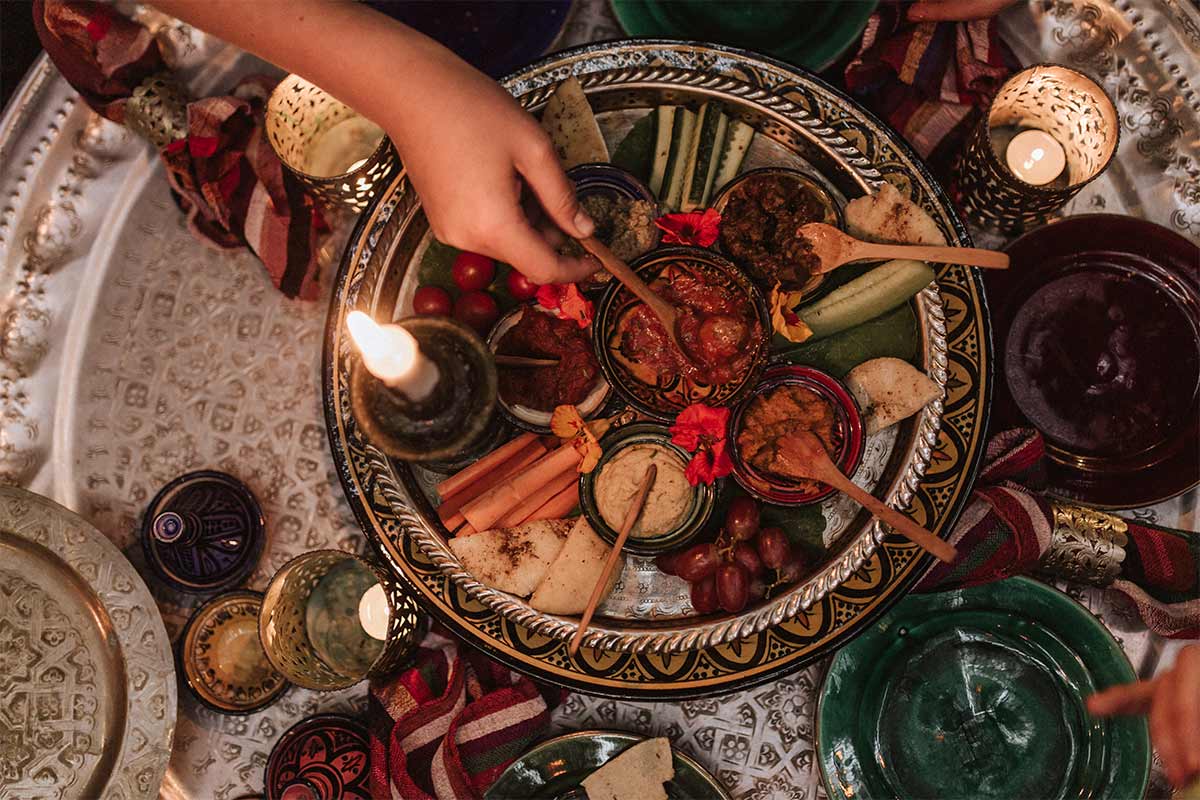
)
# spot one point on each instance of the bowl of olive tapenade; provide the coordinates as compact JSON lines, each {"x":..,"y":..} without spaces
{"x":761,"y":212}
{"x":529,"y":395}
{"x":623,"y":209}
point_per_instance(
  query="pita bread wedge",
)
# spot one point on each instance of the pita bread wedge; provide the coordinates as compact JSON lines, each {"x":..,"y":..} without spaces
{"x":568,"y":584}
{"x":513,"y":560}
{"x":636,"y":774}
{"x":890,"y":390}
{"x":572,"y":126}
{"x":889,"y":216}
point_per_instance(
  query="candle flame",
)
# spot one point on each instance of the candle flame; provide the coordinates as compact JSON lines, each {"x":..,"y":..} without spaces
{"x":388,"y":353}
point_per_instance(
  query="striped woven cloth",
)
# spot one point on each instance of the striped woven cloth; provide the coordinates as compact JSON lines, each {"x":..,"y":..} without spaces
{"x":223,"y":174}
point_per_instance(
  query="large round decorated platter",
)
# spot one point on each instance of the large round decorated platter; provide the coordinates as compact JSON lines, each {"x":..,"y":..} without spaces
{"x":647,"y":639}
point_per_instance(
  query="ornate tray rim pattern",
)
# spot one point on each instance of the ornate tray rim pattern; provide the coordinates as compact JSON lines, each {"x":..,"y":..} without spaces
{"x":143,"y":759}
{"x":532,"y":87}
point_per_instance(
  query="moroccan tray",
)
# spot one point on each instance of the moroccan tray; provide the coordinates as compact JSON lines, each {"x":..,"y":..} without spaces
{"x":646,"y":642}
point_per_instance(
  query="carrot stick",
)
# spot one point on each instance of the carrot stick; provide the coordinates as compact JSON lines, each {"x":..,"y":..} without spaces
{"x":483,"y":511}
{"x":468,"y":475}
{"x":558,"y":506}
{"x":538,"y":498}
{"x":466,"y":530}
{"x":451,"y":505}
{"x":454,"y":521}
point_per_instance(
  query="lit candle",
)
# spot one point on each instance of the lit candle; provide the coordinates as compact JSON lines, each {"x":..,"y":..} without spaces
{"x":343,"y":148}
{"x":373,"y":612}
{"x":391,"y":354}
{"x":1035,"y":157}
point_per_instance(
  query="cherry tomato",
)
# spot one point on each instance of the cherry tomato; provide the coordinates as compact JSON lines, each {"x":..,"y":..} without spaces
{"x":520,"y":287}
{"x":432,"y":300}
{"x":773,"y":547}
{"x":722,"y":336}
{"x":697,"y":562}
{"x":747,"y":557}
{"x":473,"y":272}
{"x":733,"y":587}
{"x":741,"y":520}
{"x":478,"y":310}
{"x":704,"y":596}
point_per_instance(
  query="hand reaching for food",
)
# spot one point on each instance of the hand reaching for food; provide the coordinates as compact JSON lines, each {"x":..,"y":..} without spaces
{"x":486,"y":172}
{"x":1172,"y":701}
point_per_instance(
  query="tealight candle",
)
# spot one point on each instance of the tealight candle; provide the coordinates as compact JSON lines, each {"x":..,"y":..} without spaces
{"x":373,"y":612}
{"x":1035,"y":157}
{"x":344,"y":148}
{"x":391,"y":354}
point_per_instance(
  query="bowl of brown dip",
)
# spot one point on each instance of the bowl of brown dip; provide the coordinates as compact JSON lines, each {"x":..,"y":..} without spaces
{"x":675,"y":511}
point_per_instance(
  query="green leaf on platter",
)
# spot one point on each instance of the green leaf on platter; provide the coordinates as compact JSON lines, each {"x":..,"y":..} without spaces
{"x":635,"y":153}
{"x":895,"y":334}
{"x":803,"y":525}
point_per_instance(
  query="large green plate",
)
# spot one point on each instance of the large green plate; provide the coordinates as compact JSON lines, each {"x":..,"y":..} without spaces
{"x":980,"y":693}
{"x":554,"y":768}
{"x":671,"y":655}
{"x":810,"y":34}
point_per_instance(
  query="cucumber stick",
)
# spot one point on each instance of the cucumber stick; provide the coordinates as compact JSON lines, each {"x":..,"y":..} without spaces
{"x":703,"y":119}
{"x":733,"y":150}
{"x":681,"y":147}
{"x":866,"y":297}
{"x":710,"y":130}
{"x":664,"y":120}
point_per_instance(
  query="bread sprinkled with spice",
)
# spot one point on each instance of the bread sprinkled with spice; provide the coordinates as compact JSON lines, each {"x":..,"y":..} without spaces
{"x":513,"y":560}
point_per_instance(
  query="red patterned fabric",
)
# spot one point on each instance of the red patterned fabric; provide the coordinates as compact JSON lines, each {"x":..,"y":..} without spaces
{"x":233,"y":188}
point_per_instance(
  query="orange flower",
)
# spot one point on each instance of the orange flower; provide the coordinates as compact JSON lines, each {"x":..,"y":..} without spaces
{"x":692,"y":227}
{"x":567,"y":302}
{"x":783,"y":317}
{"x":566,"y":423}
{"x":702,"y":430}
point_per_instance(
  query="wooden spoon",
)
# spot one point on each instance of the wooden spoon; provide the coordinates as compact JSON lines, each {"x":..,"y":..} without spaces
{"x":635,"y":510}
{"x":524,"y":361}
{"x":835,"y":248}
{"x":620,"y":270}
{"x":805,"y":457}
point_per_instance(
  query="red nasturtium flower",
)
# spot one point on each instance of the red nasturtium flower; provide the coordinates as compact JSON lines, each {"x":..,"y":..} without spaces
{"x":692,"y":227}
{"x":567,"y":302}
{"x":701,"y":430}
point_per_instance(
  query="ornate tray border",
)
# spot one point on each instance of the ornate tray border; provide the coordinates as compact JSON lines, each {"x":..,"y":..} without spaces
{"x":381,"y":497}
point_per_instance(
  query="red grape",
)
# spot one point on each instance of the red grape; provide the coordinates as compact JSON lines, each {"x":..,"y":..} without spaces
{"x":773,"y":547}
{"x":472,"y":272}
{"x":746,"y":556}
{"x":741,"y":520}
{"x":792,"y":569}
{"x":697,"y":562}
{"x":758,"y":588}
{"x":432,"y":300}
{"x":478,"y":310}
{"x":669,"y":562}
{"x":520,"y":287}
{"x":704,"y":596}
{"x":733,"y":587}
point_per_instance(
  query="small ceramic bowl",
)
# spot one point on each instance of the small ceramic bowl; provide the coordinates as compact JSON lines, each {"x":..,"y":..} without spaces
{"x":664,"y":401}
{"x":607,"y":180}
{"x":693,"y":520}
{"x":322,"y":757}
{"x":781,"y":491}
{"x":532,"y":419}
{"x":833,"y":212}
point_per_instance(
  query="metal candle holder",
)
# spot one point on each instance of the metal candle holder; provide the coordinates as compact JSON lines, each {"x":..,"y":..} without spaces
{"x":298,"y":114}
{"x":1064,"y":103}
{"x":453,"y":422}
{"x":283,"y":623}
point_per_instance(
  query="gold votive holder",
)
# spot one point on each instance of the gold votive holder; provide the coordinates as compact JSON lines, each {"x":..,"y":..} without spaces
{"x":338,"y":155}
{"x":311,"y":626}
{"x":1070,"y":107}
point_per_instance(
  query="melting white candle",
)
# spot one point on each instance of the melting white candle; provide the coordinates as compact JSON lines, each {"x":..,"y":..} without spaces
{"x":1035,"y":157}
{"x":391,"y":354}
{"x":373,"y":612}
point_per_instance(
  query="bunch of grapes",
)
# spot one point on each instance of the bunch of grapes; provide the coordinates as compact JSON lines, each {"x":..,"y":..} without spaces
{"x":746,"y":562}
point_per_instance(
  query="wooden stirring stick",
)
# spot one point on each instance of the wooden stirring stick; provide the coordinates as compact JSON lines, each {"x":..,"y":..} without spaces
{"x":622,"y":272}
{"x":524,"y":361}
{"x":835,"y":248}
{"x":635,"y":510}
{"x":806,"y":458}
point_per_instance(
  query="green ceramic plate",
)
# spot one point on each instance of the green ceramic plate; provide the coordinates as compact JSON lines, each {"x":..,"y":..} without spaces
{"x":554,"y":769}
{"x":811,"y":34}
{"x":979,"y":693}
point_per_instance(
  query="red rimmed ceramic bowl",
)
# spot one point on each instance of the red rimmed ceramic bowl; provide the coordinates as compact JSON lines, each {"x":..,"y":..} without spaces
{"x":848,"y":437}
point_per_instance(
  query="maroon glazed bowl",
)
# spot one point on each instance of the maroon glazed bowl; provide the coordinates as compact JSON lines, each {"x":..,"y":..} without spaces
{"x":848,"y":432}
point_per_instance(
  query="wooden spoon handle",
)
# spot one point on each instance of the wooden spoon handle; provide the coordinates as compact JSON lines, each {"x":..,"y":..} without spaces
{"x":621,"y":271}
{"x":635,"y":510}
{"x":940,"y":548}
{"x":971,"y":256}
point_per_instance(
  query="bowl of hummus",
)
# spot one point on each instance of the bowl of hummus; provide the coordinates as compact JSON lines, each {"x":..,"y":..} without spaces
{"x":675,"y":511}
